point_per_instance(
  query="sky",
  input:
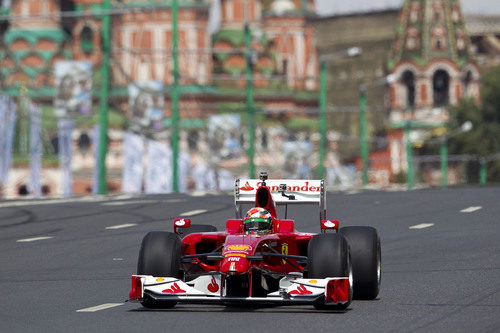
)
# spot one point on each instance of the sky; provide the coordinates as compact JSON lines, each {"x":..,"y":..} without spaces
{"x":332,"y":7}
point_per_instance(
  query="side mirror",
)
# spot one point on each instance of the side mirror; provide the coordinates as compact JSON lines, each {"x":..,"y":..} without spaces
{"x":181,"y":223}
{"x":329,"y":225}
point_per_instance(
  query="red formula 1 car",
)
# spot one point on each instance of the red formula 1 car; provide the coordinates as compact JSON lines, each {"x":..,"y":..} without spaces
{"x":259,"y":257}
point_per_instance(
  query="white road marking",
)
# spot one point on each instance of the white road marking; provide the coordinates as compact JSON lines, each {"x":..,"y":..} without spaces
{"x":99,"y":307}
{"x":197,"y":194}
{"x":175,"y":200}
{"x":470,"y":209}
{"x":52,"y":201}
{"x":194,"y":212}
{"x":123,"y":197}
{"x":120,"y":226}
{"x":123,"y":203}
{"x":33,"y":239}
{"x":422,"y":226}
{"x":117,"y":259}
{"x":351,"y":192}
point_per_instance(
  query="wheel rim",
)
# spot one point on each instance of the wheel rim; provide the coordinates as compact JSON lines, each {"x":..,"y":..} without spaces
{"x":379,"y":265}
{"x":351,"y":279}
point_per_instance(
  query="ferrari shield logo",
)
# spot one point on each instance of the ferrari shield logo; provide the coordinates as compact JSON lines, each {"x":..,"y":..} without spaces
{"x":284,"y":250}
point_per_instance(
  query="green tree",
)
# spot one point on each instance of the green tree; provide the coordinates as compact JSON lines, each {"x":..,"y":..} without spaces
{"x":484,"y":138}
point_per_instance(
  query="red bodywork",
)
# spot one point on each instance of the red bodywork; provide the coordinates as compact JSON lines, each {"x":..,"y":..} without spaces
{"x":238,"y":246}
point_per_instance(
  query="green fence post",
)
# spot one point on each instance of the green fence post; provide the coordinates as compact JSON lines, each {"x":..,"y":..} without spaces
{"x":250,"y":109}
{"x":362,"y":129}
{"x":103,"y":98}
{"x":444,"y":162}
{"x":175,"y":99}
{"x":322,"y":121}
{"x":483,"y":172}
{"x":409,"y":156}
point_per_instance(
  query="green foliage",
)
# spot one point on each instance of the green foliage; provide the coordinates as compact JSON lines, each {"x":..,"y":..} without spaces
{"x":484,"y":138}
{"x":302,"y":124}
{"x":235,"y":37}
{"x":400,"y":177}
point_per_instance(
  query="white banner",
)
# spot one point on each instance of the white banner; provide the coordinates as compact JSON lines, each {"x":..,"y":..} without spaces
{"x":73,"y":81}
{"x":35,"y":185}
{"x":133,"y":170}
{"x":7,"y":128}
{"x":183,"y":169}
{"x":146,"y":102}
{"x":204,"y":177}
{"x":159,"y":168}
{"x":65,"y":127}
{"x":96,"y":134}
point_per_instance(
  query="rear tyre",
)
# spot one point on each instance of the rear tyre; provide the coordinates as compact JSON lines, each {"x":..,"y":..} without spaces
{"x":366,"y":256}
{"x":160,"y":255}
{"x":328,"y":256}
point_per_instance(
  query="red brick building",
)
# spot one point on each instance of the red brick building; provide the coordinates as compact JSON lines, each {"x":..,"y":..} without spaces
{"x":285,"y":66}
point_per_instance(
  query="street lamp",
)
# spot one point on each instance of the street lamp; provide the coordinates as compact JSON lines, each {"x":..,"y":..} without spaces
{"x":350,"y":52}
{"x":443,"y":140}
{"x":362,"y":122}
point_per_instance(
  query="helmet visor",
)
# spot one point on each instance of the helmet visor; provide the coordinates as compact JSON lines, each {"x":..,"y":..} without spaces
{"x":257,"y":224}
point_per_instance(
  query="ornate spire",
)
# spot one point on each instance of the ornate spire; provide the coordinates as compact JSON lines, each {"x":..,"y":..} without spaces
{"x":431,"y":29}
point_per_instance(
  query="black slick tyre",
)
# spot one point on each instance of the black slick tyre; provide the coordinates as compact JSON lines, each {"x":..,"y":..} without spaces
{"x":159,"y":255}
{"x":328,"y":256}
{"x":366,"y":257}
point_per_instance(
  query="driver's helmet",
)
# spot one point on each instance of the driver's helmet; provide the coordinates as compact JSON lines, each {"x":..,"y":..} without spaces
{"x":258,"y":220}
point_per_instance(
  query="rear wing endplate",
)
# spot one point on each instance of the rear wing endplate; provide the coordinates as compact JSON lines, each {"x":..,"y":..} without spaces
{"x":297,"y":192}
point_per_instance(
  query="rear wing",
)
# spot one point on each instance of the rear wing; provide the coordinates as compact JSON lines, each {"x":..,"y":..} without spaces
{"x":297,"y":192}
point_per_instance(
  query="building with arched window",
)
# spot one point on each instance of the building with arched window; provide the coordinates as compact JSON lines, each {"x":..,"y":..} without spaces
{"x":433,"y":68}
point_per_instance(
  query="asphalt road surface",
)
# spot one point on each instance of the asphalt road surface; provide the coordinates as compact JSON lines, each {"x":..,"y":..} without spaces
{"x":65,"y":266}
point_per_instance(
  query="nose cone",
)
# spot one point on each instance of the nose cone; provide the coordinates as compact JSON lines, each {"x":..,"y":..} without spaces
{"x":234,"y":265}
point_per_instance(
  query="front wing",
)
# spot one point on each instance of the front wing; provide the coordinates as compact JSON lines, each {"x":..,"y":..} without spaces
{"x":208,"y":289}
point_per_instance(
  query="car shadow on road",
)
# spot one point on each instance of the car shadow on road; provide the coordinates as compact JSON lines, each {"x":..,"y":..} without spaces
{"x":241,"y":309}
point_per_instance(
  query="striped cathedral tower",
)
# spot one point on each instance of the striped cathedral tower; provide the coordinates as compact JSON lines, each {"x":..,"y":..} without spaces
{"x":433,"y":68}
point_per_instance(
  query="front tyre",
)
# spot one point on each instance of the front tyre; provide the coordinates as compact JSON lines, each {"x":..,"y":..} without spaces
{"x":160,"y":255}
{"x":366,"y":256}
{"x":328,"y":256}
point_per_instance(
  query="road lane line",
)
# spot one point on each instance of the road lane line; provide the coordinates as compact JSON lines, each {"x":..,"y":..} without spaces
{"x":422,"y":226}
{"x":470,"y":209}
{"x":30,"y":202}
{"x":133,"y":202}
{"x":194,"y":212}
{"x":25,"y":240}
{"x":120,"y":226}
{"x":351,"y":192}
{"x":175,"y":200}
{"x":197,"y":194}
{"x":124,"y":197}
{"x":99,"y":307}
